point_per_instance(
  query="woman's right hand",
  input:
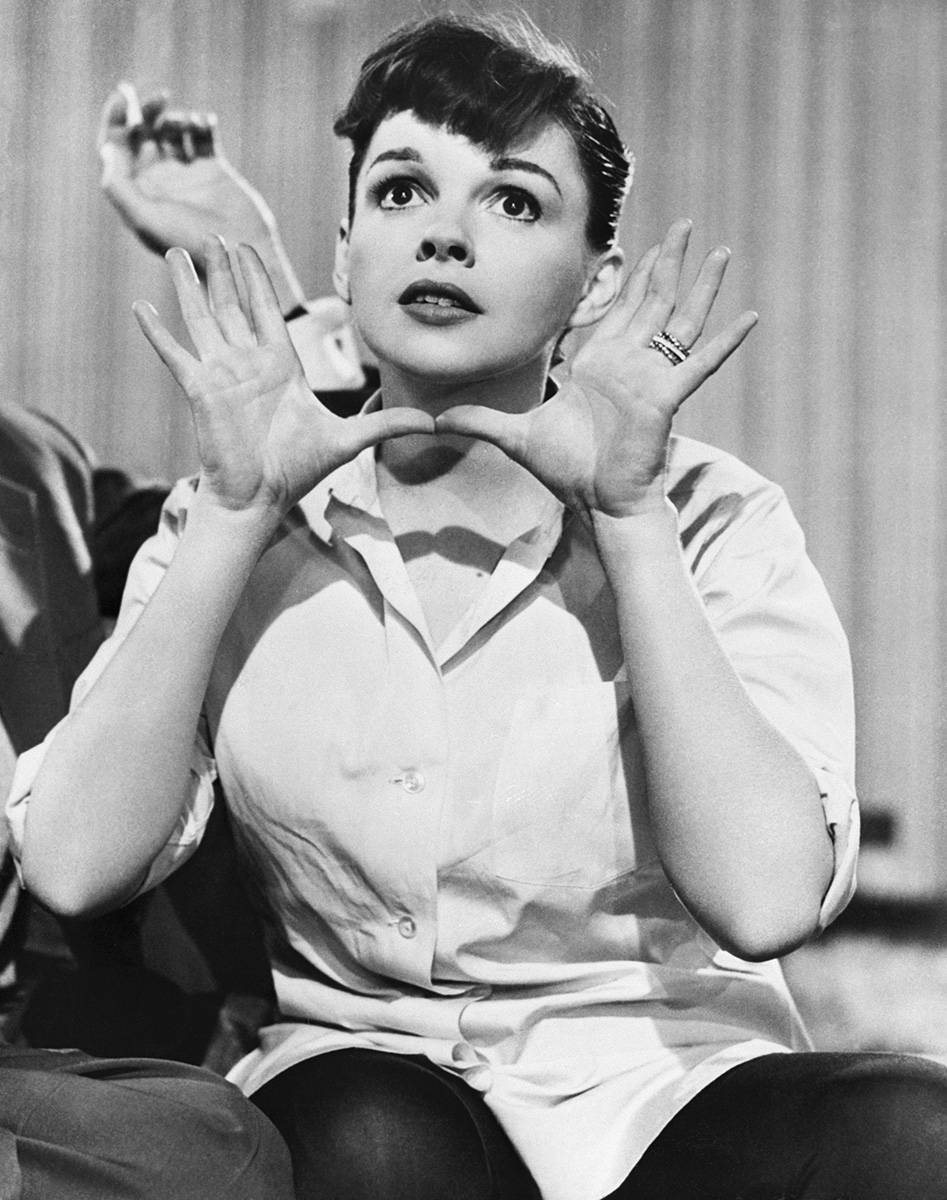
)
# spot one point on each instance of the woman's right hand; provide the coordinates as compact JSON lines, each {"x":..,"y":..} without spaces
{"x":263,"y":438}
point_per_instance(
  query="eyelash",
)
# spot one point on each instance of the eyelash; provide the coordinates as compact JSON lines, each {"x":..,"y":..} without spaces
{"x":532,"y":204}
{"x":381,"y":190}
{"x":382,"y":187}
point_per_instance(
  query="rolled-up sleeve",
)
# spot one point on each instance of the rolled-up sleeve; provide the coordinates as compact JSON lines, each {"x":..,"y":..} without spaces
{"x":773,"y":616}
{"x":146,"y":572}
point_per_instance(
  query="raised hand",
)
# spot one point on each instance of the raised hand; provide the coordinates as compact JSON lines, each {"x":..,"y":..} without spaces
{"x":601,"y":442}
{"x":264,"y":439}
{"x":164,"y":171}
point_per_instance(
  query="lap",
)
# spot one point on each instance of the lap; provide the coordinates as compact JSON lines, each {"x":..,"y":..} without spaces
{"x":73,"y":1126}
{"x":802,"y":1126}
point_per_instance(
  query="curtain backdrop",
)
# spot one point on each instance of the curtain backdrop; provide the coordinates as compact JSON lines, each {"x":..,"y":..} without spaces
{"x":805,"y":134}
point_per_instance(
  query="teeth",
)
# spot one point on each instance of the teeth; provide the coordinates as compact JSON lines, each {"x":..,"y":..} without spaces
{"x":440,"y":301}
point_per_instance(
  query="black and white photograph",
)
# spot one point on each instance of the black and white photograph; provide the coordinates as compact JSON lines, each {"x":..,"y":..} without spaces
{"x":473,"y":575}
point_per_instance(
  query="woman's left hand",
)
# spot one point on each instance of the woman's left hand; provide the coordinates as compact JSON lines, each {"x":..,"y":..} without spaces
{"x":600,"y":443}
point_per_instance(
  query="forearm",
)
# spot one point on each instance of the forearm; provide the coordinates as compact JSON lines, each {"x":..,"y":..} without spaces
{"x":115,"y":777}
{"x":735,"y":810}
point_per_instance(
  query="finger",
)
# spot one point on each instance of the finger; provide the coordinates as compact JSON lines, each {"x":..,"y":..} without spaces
{"x":168,"y":132}
{"x":120,"y":105}
{"x":704,"y":362}
{"x":200,"y":321}
{"x":661,"y":294}
{"x":196,"y":138}
{"x":224,"y":294}
{"x":171,"y":353}
{"x":112,"y":119}
{"x":631,"y":295}
{"x":688,"y":321}
{"x":152,"y":107}
{"x":204,"y":134}
{"x":133,"y":113}
{"x":265,"y":312}
{"x":505,"y":430}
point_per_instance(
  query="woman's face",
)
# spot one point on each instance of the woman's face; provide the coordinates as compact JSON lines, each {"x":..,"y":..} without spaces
{"x":461,"y":266}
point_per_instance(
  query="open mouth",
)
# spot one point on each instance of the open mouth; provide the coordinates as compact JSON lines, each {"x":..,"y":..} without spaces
{"x":438,"y":296}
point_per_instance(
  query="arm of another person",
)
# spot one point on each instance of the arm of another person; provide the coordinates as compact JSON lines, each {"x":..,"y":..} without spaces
{"x":168,"y":178}
{"x":166,"y":174}
{"x":735,"y":809}
{"x":114,"y":780}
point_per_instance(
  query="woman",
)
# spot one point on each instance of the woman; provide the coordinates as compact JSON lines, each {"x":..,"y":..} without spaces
{"x":534,"y":720}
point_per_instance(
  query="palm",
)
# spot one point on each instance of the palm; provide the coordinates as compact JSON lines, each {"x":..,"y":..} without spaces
{"x":263,"y":437}
{"x":189,"y":201}
{"x":261,"y":434}
{"x":601,"y":442}
{"x":603,"y":436}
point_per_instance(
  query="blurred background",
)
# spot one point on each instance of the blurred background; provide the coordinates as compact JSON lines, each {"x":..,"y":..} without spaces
{"x":805,"y":134}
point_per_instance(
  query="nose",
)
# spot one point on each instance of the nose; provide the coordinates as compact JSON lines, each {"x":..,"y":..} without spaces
{"x":445,"y":243}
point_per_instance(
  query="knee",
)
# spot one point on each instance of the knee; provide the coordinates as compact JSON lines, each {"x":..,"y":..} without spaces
{"x":887,"y":1099}
{"x":360,"y":1125}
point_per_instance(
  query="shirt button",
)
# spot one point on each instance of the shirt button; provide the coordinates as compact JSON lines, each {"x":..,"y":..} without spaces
{"x":413,"y":782}
{"x":407,"y":927}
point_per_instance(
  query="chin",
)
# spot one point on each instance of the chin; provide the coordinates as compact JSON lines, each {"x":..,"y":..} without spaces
{"x":447,"y":370}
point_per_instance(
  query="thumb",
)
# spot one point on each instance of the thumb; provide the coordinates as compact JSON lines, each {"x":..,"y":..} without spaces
{"x":118,"y":184}
{"x":121,"y":114}
{"x":389,"y":422}
{"x":506,"y":430}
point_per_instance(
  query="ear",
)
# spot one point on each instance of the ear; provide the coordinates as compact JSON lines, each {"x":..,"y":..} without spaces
{"x":602,"y":285}
{"x":340,"y":273}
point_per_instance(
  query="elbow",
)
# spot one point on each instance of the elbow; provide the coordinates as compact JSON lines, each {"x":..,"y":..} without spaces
{"x":765,"y":935}
{"x":71,"y":893}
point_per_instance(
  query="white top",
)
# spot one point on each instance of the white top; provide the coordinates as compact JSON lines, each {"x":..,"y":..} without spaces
{"x":452,"y":842}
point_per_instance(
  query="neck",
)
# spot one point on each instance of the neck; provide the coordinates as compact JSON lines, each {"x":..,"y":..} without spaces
{"x":426,"y":481}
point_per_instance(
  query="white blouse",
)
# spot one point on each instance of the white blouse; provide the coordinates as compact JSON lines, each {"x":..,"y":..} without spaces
{"x":451,"y":843}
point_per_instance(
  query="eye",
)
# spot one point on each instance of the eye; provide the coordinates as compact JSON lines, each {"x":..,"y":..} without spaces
{"x":516,"y":204}
{"x":393,"y":194}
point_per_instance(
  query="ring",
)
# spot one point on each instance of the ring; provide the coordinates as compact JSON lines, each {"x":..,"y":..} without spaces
{"x":667,"y":344}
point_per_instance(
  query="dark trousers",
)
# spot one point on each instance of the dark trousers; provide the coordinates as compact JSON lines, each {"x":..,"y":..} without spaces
{"x":362,"y":1125}
{"x":73,"y":1127}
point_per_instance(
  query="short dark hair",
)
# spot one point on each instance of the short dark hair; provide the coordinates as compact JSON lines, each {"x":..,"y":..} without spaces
{"x":494,"y":81}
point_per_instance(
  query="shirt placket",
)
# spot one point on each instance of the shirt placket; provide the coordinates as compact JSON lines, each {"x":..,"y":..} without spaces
{"x":414,"y":733}
{"x":411,"y":740}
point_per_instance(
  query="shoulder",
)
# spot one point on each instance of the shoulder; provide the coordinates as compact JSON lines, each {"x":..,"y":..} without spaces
{"x":722,"y":502}
{"x":698,"y":469}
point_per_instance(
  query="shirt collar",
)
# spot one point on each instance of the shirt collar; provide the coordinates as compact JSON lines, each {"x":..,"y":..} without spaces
{"x":346,"y":505}
{"x":354,"y":485}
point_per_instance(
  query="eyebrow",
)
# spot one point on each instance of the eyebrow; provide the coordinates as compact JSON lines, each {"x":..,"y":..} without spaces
{"x":408,"y":154}
{"x":524,"y":164}
{"x":402,"y":154}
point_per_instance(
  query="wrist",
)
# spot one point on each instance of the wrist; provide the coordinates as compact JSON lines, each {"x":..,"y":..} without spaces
{"x":650,"y":531}
{"x":244,"y":531}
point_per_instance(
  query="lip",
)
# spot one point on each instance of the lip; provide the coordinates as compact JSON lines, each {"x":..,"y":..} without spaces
{"x":428,"y":295}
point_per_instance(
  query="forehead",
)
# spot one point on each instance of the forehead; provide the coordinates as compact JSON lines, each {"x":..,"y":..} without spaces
{"x":549,"y":147}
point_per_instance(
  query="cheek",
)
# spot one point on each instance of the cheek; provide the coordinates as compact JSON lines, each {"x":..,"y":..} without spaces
{"x":367,"y":275}
{"x":553,"y":289}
